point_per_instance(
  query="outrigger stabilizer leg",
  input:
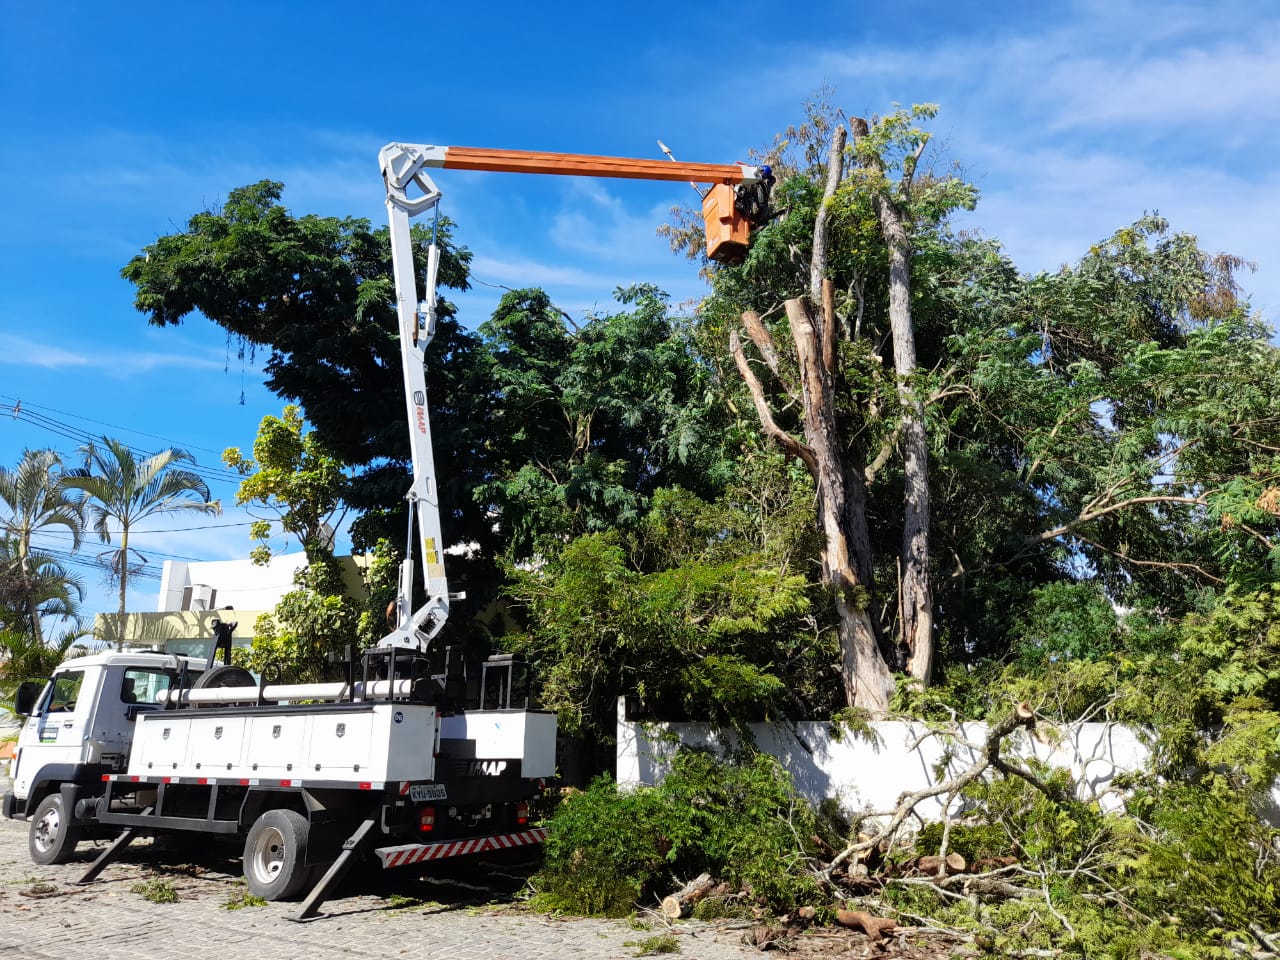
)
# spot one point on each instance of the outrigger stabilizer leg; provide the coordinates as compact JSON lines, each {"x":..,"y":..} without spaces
{"x":352,"y":848}
{"x":116,"y":848}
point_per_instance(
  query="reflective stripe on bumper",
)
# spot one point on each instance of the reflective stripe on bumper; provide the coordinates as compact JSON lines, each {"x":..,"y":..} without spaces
{"x":419,"y":852}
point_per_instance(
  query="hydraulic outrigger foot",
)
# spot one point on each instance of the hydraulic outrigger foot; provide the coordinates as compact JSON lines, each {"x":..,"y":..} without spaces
{"x":355,"y":845}
{"x":117,"y":847}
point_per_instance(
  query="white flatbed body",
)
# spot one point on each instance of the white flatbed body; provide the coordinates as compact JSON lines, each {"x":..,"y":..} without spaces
{"x":341,"y":742}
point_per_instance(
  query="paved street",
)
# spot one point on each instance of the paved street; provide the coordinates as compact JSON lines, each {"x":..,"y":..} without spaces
{"x":44,"y":915}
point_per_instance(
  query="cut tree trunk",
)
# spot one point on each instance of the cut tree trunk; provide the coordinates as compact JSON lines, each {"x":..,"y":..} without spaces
{"x":916,"y":628}
{"x":932,"y":865}
{"x":681,"y":903}
{"x":842,"y":517}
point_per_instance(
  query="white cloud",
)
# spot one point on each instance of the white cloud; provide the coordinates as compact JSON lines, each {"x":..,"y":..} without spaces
{"x":24,"y":352}
{"x":19,"y":351}
{"x":524,"y":272}
{"x":1075,"y":125}
{"x":1196,"y":88}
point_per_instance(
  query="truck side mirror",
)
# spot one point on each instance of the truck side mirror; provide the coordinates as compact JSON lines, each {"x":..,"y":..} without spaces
{"x":24,"y":700}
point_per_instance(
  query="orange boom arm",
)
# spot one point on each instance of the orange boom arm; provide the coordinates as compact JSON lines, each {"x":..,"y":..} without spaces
{"x":585,"y":165}
{"x":737,"y":200}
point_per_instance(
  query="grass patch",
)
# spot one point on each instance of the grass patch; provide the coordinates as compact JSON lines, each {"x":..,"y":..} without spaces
{"x":243,"y":898}
{"x":398,"y":901}
{"x":663,"y":943}
{"x":157,"y":891}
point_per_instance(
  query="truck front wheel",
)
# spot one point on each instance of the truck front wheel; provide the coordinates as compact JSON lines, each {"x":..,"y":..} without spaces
{"x":275,"y":854}
{"x":53,"y":836}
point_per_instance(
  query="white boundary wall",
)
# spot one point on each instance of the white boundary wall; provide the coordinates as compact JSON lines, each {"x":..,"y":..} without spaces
{"x":871,"y":773}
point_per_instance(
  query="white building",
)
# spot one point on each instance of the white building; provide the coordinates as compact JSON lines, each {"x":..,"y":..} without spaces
{"x":195,"y":593}
{"x":216,"y":584}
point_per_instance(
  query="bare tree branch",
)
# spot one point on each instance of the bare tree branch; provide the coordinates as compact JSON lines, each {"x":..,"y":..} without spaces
{"x":1021,"y":716}
{"x":1088,"y":515}
{"x":789,"y":443}
{"x":835,"y":170}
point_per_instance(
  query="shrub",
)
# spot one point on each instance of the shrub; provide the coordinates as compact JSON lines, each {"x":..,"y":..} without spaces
{"x":736,"y":818}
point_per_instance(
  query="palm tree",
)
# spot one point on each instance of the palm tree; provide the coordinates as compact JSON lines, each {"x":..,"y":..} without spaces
{"x":34,"y":585}
{"x":122,"y":490}
{"x":36,"y":495}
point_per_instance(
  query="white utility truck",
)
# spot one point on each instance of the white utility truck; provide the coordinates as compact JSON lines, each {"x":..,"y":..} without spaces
{"x":393,"y":760}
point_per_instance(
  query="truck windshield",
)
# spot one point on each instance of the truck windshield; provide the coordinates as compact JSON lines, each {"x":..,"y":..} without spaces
{"x":61,"y":695}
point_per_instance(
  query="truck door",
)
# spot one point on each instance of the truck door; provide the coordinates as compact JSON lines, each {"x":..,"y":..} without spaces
{"x":55,"y":732}
{"x":126,"y":692}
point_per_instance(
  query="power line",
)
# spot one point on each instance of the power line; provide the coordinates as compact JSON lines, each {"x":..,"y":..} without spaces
{"x":208,"y":526}
{"x":146,"y":570}
{"x":113,"y":426}
{"x":64,"y":537}
{"x":18,"y":411}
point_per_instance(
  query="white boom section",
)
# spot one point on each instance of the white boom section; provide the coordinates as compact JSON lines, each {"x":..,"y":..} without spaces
{"x":401,"y":168}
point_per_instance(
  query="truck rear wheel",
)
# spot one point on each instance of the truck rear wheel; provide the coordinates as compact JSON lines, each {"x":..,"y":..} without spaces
{"x":53,"y":836}
{"x":275,"y":854}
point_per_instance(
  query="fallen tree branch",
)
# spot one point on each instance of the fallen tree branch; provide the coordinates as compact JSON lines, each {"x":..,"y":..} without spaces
{"x":1021,"y":717}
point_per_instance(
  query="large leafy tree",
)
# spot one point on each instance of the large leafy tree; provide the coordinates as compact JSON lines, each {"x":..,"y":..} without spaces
{"x":1132,"y":397}
{"x":122,"y":490}
{"x":37,"y":501}
{"x":587,"y":423}
{"x":317,"y":293}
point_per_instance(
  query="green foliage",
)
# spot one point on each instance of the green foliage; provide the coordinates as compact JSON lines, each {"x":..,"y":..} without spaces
{"x":1066,"y":621}
{"x":309,"y":624}
{"x":381,"y":581}
{"x":120,"y":490}
{"x":971,"y":841}
{"x":1190,"y":864}
{"x":241,"y":899}
{"x":737,"y":819}
{"x":1237,"y":643}
{"x":595,"y":420}
{"x":292,"y":474}
{"x":317,"y":293}
{"x":605,"y":847}
{"x":33,"y":584}
{"x":651,"y":946}
{"x":1199,"y":853}
{"x":26,"y":658}
{"x":697,"y":636}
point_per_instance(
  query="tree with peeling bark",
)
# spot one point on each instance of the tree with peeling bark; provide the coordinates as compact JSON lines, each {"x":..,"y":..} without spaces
{"x":894,"y":211}
{"x":879,"y":194}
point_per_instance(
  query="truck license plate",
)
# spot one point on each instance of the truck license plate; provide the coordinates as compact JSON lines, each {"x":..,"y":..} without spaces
{"x":428,"y":791}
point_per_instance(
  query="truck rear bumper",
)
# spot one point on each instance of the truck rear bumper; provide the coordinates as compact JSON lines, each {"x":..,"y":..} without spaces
{"x":405,"y":854}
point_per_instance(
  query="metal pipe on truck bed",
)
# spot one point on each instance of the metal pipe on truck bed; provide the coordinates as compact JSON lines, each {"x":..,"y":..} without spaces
{"x":377,"y":689}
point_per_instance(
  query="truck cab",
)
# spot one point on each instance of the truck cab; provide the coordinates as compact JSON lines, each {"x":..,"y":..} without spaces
{"x":80,"y":725}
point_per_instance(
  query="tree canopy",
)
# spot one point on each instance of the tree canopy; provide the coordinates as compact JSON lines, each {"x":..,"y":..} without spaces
{"x":1104,"y":431}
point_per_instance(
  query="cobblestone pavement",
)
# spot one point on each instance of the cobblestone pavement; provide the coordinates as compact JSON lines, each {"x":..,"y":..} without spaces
{"x":44,"y":915}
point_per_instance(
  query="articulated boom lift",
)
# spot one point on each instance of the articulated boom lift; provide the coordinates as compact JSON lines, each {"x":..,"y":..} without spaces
{"x":737,"y":200}
{"x":396,"y":762}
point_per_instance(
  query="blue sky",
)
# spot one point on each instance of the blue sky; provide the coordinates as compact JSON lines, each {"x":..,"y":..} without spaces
{"x":120,"y":122}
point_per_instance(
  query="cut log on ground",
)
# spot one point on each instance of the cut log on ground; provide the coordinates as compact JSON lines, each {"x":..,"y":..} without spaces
{"x":932,"y":865}
{"x":874,"y":927}
{"x":681,"y":903}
